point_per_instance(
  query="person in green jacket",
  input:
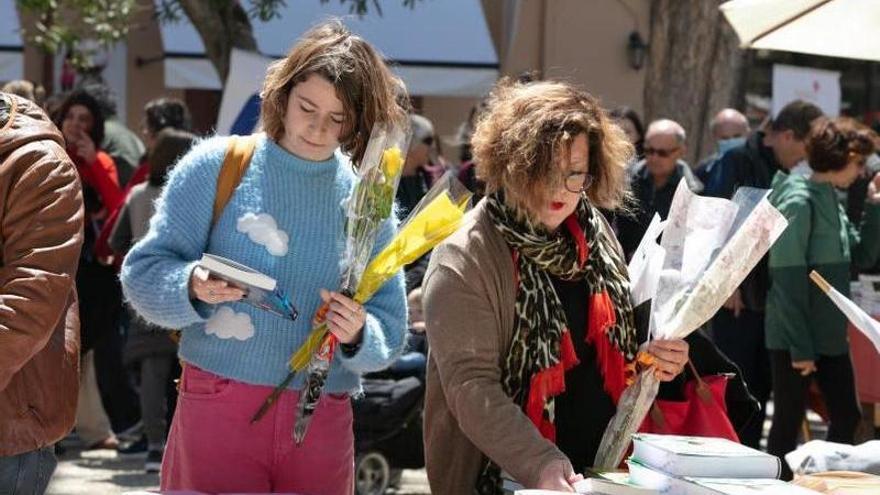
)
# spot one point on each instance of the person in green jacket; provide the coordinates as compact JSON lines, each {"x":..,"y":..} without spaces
{"x":806,"y":335}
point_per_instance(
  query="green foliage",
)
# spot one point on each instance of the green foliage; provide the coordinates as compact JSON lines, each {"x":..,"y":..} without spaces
{"x":63,"y":24}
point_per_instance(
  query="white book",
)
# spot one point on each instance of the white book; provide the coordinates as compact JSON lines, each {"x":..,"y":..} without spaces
{"x":667,"y":484}
{"x":240,"y":275}
{"x":608,"y":484}
{"x":612,"y":484}
{"x":261,"y":290}
{"x":703,"y":456}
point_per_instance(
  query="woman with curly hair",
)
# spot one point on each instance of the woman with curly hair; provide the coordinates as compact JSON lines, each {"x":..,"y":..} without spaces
{"x":806,"y":334}
{"x":527,"y":378}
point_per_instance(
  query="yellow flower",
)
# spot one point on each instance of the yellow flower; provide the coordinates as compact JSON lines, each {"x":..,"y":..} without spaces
{"x":392,"y":162}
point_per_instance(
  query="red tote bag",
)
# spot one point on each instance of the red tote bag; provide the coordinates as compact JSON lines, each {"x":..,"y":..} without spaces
{"x":703,"y":413}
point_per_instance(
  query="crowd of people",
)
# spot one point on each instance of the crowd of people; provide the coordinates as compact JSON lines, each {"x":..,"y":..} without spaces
{"x":526,"y":308}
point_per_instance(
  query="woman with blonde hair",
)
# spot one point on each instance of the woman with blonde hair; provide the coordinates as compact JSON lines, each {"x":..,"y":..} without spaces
{"x":526,"y":379}
{"x":285,"y":219}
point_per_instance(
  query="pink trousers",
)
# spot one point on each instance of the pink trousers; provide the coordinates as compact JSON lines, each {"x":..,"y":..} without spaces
{"x":212,"y":447}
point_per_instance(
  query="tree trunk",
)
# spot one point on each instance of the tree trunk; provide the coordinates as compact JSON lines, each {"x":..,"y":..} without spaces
{"x":222,"y":25}
{"x":693,"y":69}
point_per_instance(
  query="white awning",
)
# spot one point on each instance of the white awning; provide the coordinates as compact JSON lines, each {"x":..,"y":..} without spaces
{"x":11,"y":50}
{"x":439,"y":48}
{"x":833,"y":28}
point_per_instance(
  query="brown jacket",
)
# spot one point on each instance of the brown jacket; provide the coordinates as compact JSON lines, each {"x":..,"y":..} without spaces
{"x":469,"y":300}
{"x":41,"y":222}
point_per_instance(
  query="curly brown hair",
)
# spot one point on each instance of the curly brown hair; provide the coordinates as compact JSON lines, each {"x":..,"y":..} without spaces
{"x":369,"y":92}
{"x":519,"y":140}
{"x":831,"y":143}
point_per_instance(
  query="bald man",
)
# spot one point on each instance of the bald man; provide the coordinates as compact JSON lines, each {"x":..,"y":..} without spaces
{"x":654,"y":180}
{"x":730,"y":128}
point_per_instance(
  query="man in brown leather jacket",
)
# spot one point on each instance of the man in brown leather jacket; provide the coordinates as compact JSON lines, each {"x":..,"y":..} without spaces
{"x":41,"y":222}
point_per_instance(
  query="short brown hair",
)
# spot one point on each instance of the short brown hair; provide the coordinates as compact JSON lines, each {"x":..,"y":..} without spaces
{"x":797,"y":117}
{"x":832,"y":141}
{"x":369,"y":92}
{"x":171,"y":144}
{"x":526,"y":126}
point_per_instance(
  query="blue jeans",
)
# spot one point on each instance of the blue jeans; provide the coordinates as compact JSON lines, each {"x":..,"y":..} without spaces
{"x":28,"y":473}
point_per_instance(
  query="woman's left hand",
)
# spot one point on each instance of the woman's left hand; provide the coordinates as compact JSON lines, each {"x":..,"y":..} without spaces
{"x":670,"y":356}
{"x":874,"y":189}
{"x":346,"y":317}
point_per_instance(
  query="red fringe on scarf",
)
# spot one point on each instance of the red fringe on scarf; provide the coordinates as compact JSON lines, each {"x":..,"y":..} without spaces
{"x":550,"y":382}
{"x":601,"y":318}
{"x":609,"y":359}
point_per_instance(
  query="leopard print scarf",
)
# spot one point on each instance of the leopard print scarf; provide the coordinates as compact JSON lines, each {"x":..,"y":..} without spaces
{"x":541,"y":351}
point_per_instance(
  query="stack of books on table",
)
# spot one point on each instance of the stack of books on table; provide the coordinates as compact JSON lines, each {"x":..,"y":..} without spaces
{"x":680,"y":465}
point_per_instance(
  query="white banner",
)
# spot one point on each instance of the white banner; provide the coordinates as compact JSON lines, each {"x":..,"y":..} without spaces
{"x":820,"y":87}
{"x":240,"y":106}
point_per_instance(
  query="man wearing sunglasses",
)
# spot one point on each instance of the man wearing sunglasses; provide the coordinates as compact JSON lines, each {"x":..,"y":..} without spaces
{"x":654,"y":180}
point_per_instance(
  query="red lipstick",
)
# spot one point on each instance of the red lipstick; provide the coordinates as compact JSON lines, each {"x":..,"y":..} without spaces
{"x":557,"y":205}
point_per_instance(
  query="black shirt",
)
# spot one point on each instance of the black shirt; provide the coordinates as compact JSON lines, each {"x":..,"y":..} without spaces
{"x":584,"y":409}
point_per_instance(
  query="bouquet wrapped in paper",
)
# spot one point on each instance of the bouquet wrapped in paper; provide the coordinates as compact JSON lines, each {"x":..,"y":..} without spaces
{"x":436,"y":216}
{"x":371,"y":203}
{"x":708,"y":247}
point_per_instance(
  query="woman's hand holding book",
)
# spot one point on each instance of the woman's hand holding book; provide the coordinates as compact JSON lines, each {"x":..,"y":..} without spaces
{"x":212,"y":290}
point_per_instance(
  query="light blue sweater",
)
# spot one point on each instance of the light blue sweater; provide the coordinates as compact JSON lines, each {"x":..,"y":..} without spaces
{"x":306,"y":200}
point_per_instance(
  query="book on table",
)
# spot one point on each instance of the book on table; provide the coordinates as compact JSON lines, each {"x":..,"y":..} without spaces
{"x":602,"y":483}
{"x":703,"y":456}
{"x":668,"y":484}
{"x":261,"y":290}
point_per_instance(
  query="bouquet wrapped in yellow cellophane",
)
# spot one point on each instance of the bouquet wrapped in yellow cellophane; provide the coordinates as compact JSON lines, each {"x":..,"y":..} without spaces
{"x":436,"y":216}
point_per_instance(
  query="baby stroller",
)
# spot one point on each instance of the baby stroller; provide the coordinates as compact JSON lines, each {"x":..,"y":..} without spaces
{"x":388,"y":423}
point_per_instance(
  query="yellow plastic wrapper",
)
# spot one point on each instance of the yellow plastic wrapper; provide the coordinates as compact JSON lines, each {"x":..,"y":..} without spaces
{"x":434,"y":219}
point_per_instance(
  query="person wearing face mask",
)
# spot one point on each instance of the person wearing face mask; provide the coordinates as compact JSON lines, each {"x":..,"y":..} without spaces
{"x":729,"y":130}
{"x":655,"y":180}
{"x":806,"y":334}
{"x":738,"y":327}
{"x":286,"y":218}
{"x":527,"y":306}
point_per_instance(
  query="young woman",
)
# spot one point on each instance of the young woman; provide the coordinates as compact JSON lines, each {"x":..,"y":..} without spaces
{"x":285,"y":219}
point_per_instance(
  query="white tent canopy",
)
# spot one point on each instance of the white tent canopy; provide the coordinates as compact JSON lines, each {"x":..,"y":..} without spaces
{"x":11,"y":50}
{"x":833,"y":28}
{"x":439,"y":48}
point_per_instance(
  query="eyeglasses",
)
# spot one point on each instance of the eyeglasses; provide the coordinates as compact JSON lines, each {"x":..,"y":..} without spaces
{"x":660,"y":152}
{"x":578,"y":182}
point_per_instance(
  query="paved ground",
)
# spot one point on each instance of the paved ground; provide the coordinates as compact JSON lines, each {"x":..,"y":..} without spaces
{"x":105,"y":472}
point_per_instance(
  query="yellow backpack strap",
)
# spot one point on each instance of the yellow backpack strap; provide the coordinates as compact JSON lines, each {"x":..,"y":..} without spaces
{"x":239,"y":152}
